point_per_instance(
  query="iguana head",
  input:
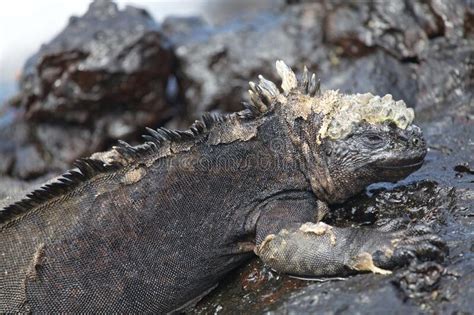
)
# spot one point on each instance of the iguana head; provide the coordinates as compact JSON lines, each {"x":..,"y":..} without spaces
{"x":347,"y":142}
{"x":370,"y":153}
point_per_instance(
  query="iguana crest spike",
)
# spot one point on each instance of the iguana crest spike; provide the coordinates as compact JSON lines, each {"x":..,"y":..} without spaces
{"x":288,"y":77}
{"x":263,"y":94}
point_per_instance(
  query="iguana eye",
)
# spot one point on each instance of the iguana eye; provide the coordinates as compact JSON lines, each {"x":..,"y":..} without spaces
{"x":374,"y":138}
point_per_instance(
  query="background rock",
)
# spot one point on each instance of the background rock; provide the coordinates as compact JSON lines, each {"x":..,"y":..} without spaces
{"x":355,"y":46}
{"x":215,"y":64}
{"x":103,"y":78}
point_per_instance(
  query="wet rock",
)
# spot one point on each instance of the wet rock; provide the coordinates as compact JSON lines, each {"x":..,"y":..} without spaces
{"x":280,"y":294}
{"x":103,"y":78}
{"x":345,"y":28}
{"x":356,"y":295}
{"x":464,"y":168}
{"x":446,"y":75}
{"x":250,"y":289}
{"x":104,"y":61}
{"x":378,"y":73}
{"x":423,"y":201}
{"x":216,"y":63}
{"x":419,"y":280}
{"x":456,"y":16}
{"x":330,"y":37}
{"x":402,"y":28}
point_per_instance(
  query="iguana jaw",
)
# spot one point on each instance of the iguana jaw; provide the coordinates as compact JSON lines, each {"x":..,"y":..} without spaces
{"x":397,"y":169}
{"x":411,"y":165}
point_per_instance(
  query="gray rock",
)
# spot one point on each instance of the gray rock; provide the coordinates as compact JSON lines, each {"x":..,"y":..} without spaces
{"x":377,"y":73}
{"x":445,"y":74}
{"x":216,"y":63}
{"x":103,"y":78}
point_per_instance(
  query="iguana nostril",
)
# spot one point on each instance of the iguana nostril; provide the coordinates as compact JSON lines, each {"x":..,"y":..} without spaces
{"x":415,"y":141}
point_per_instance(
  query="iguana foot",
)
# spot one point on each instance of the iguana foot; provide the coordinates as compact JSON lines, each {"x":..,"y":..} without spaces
{"x":400,"y":247}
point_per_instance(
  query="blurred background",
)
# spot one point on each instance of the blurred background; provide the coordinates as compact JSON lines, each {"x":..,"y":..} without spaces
{"x":36,"y":22}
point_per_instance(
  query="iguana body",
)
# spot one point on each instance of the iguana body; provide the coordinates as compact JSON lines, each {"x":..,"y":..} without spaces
{"x":158,"y":226}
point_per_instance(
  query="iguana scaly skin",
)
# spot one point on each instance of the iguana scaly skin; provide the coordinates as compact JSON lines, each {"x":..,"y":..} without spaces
{"x":154,"y":227}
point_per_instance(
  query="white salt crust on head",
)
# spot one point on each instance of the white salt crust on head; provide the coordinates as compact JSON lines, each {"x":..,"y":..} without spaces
{"x":341,"y":112}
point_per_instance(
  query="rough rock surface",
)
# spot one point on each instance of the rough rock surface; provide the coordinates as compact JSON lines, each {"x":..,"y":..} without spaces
{"x":215,"y":63}
{"x":375,"y":46}
{"x":104,"y":77}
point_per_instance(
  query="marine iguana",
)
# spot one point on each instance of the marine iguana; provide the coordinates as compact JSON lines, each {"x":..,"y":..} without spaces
{"x":159,"y":224}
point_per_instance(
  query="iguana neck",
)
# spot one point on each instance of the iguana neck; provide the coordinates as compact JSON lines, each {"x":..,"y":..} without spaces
{"x":301,"y":132}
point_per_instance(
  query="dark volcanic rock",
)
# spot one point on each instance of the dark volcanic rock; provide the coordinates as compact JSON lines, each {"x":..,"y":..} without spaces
{"x":377,"y":73}
{"x":446,"y":74}
{"x":400,"y":27}
{"x":421,"y":287}
{"x":106,"y":61}
{"x":216,"y":63}
{"x":392,"y":38}
{"x":457,"y":17}
{"x":104,"y":77}
{"x":419,"y":279}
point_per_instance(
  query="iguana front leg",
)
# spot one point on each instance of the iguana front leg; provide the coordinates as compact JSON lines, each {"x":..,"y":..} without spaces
{"x":317,"y":249}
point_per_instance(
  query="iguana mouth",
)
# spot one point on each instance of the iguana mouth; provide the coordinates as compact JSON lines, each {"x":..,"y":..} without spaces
{"x":409,"y":165}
